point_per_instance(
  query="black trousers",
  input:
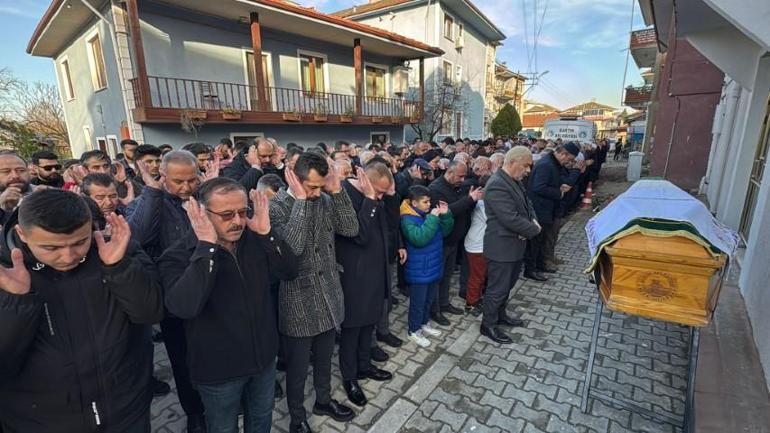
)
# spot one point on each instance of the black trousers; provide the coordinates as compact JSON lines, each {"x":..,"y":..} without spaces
{"x":355,"y":351}
{"x":534,"y":258}
{"x":175,"y":340}
{"x":297,"y":352}
{"x":442,"y":294}
{"x":465,"y":270}
{"x":501,"y":277}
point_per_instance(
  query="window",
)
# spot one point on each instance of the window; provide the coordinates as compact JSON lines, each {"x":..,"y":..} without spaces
{"x":448,"y":71}
{"x":458,"y":74}
{"x":251,"y":77}
{"x":101,"y":144}
{"x":66,"y":78}
{"x":375,"y":81}
{"x":96,"y":61}
{"x":379,"y":137}
{"x":312,"y":72}
{"x":458,"y":124}
{"x":446,"y":126}
{"x":460,"y":31}
{"x":449,"y":27}
{"x":248,"y":137}
{"x":87,"y":138}
{"x":112,"y":145}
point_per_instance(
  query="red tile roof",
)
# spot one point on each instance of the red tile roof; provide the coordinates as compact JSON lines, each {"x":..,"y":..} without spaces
{"x":537,"y":120}
{"x":278,"y":4}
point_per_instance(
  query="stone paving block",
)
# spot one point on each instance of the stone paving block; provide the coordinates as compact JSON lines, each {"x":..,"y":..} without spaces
{"x":447,"y":416}
{"x":570,"y":385}
{"x":537,"y":418}
{"x":472,"y":425}
{"x":596,"y":423}
{"x":506,"y":423}
{"x":503,"y":404}
{"x":560,"y":410}
{"x":516,"y":393}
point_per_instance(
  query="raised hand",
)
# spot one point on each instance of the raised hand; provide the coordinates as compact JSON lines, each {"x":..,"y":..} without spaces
{"x":295,"y":186}
{"x":333,"y":178}
{"x":252,"y":157}
{"x":16,"y":279}
{"x":200,"y":222}
{"x":78,"y":173}
{"x":120,"y":234}
{"x":120,"y":172}
{"x":147,"y":177}
{"x":365,"y":184}
{"x":443,"y":207}
{"x":414,"y":172}
{"x":260,"y":221}
{"x":10,"y":198}
{"x":476,"y":193}
{"x":76,"y":189}
{"x":212,"y":169}
{"x":130,"y":196}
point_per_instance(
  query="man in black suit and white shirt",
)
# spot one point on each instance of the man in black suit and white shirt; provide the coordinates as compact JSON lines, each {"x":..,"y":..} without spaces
{"x":511,"y":221}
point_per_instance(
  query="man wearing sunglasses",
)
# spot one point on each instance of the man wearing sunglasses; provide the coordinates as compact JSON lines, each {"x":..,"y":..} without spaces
{"x":49,"y":171}
{"x":217,"y":279}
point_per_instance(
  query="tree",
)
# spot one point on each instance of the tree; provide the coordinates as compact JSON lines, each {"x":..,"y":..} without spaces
{"x":440,"y":102}
{"x":507,"y":122}
{"x":19,"y":138}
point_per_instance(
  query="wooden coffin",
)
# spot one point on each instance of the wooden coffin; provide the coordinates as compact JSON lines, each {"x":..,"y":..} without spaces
{"x":673,"y":279}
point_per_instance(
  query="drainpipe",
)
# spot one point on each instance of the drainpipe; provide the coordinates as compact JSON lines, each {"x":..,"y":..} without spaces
{"x":726,"y":134}
{"x":716,"y":132}
{"x":114,"y":39}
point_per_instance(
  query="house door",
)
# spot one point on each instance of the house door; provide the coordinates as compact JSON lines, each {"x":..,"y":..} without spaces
{"x":252,"y":76}
{"x":458,"y":124}
{"x":755,"y":178}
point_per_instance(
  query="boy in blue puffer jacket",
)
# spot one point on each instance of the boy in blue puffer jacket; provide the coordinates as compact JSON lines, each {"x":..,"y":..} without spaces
{"x":424,"y":231}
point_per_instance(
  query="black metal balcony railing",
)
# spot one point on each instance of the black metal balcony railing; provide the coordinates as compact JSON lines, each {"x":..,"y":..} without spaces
{"x":185,"y":94}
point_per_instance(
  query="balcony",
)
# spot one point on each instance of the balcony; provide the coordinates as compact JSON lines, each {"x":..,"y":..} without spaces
{"x":638,"y":97}
{"x":218,"y":102}
{"x":644,"y":47}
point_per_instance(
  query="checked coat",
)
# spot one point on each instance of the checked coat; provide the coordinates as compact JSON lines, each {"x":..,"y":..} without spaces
{"x":313,"y":302}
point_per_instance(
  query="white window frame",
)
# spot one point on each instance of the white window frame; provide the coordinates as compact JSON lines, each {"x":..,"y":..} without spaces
{"x":87,"y":137}
{"x":113,"y":145}
{"x":386,"y":79}
{"x":66,"y":79}
{"x":454,"y":123}
{"x":460,"y":35}
{"x":451,"y":28}
{"x":245,"y":134}
{"x":300,"y":53}
{"x":385,"y":133}
{"x":92,"y":61}
{"x":448,"y":126}
{"x":270,"y":76}
{"x":443,"y":70}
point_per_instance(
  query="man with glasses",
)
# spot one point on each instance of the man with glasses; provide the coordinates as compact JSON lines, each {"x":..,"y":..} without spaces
{"x":157,"y":221}
{"x":218,"y":280}
{"x":48,"y":169}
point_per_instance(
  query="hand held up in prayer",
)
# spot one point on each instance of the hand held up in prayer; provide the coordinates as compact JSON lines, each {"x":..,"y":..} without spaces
{"x":260,"y":221}
{"x":113,"y":251}
{"x":16,"y":279}
{"x":200,"y":222}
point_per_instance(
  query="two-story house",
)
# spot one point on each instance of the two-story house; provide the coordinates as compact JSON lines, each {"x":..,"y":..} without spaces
{"x":604,"y":117}
{"x":459,"y":29}
{"x":503,"y":87}
{"x":229,"y":68}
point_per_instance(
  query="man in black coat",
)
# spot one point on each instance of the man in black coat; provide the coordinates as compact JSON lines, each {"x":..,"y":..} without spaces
{"x":217,"y":280}
{"x":546,"y":190}
{"x":365,"y":275}
{"x":158,"y":221}
{"x":253,"y":162}
{"x":448,"y":188}
{"x":511,"y":221}
{"x":75,"y":350}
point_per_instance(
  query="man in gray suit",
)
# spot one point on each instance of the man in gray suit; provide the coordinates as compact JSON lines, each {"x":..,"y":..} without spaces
{"x":308,"y":214}
{"x":510,"y":222}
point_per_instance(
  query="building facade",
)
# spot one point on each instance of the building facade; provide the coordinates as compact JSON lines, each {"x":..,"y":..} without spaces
{"x":735,"y":38}
{"x":264,"y":68}
{"x":503,"y":87}
{"x":604,"y":117}
{"x":465,"y":35}
{"x":535,"y":115}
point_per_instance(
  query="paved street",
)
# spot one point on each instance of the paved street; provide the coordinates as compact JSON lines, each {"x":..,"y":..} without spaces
{"x":469,"y":384}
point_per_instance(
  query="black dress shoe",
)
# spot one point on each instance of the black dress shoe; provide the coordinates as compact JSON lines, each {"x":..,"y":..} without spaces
{"x":196,"y":423}
{"x":375,"y":373}
{"x":338,"y":412}
{"x":510,"y":321}
{"x":355,"y":393}
{"x":531,"y":275}
{"x":451,"y":309}
{"x":278,"y":392}
{"x":547,"y":270}
{"x":495,"y":335}
{"x":302,"y":428}
{"x":439,"y":318}
{"x":390,"y":339}
{"x":378,"y":355}
{"x":159,"y":387}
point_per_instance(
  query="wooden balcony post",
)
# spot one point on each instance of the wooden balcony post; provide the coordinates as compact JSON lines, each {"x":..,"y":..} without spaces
{"x":422,"y":87}
{"x":140,"y":63}
{"x":256,"y":44}
{"x":357,"y":62}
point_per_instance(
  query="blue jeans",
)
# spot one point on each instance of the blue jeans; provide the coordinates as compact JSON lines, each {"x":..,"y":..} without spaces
{"x":420,"y":299}
{"x":222,"y":403}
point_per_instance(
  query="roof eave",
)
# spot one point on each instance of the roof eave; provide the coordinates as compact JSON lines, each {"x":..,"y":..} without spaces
{"x":43,"y":24}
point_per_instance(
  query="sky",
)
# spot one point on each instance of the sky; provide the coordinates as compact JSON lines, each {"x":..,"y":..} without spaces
{"x":582,"y":44}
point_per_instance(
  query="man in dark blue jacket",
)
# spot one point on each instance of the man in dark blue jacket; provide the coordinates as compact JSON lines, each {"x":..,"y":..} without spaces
{"x":546,"y":190}
{"x":157,"y":221}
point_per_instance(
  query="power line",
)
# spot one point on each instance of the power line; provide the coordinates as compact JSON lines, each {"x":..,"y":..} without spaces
{"x":526,"y":34}
{"x":628,"y":53}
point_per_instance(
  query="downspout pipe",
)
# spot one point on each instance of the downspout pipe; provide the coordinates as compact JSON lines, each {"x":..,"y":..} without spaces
{"x":121,"y":78}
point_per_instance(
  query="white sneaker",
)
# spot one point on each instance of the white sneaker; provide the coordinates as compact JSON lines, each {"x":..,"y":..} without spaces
{"x":430,"y":331}
{"x":418,"y":338}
